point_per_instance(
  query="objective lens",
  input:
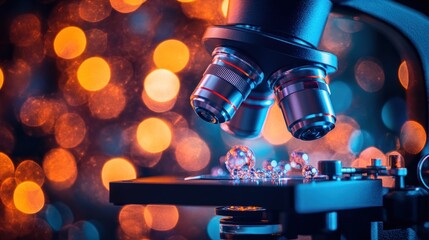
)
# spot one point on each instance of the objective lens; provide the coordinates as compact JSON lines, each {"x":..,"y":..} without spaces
{"x":226,"y":83}
{"x":303,"y":96}
{"x":250,"y":118}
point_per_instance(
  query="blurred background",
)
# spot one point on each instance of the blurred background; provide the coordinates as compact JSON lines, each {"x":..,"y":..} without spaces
{"x":93,"y":91}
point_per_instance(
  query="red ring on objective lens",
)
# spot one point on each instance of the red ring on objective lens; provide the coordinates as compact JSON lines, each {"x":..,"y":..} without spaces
{"x":221,"y":96}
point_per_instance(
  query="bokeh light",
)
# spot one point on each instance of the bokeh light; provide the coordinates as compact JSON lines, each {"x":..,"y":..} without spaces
{"x":132,"y":222}
{"x":213,"y":228}
{"x":29,"y":170}
{"x":94,"y":73}
{"x":224,"y":7}
{"x":275,"y":130}
{"x":34,"y":112}
{"x":339,"y":137}
{"x":154,"y":135}
{"x":161,"y":85}
{"x":369,"y":75}
{"x":60,"y":167}
{"x":192,"y":153}
{"x":25,"y":30}
{"x":108,"y":102}
{"x":403,"y":74}
{"x":1,"y":78}
{"x":70,"y":42}
{"x":341,"y":96}
{"x":171,"y":54}
{"x":393,"y":113}
{"x":94,"y":10}
{"x":359,"y":140}
{"x":70,"y":130}
{"x":117,"y":169}
{"x":28,"y":197}
{"x":161,"y":217}
{"x":334,"y":39}
{"x":53,"y":217}
{"x":7,"y":168}
{"x":366,"y":155}
{"x":6,"y":191}
{"x":126,"y":6}
{"x":413,"y":137}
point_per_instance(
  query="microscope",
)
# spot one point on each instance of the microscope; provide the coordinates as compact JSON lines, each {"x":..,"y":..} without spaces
{"x":268,"y":52}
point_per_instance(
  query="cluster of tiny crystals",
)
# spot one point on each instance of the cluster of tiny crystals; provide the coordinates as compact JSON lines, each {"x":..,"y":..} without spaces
{"x":240,"y":162}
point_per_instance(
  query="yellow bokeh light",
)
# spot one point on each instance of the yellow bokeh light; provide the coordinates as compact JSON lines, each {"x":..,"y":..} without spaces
{"x":413,"y":137}
{"x":171,"y":54}
{"x":186,"y":1}
{"x":161,"y":217}
{"x":117,"y":169}
{"x":154,"y":135}
{"x":28,"y":197}
{"x":275,"y":131}
{"x":224,"y":7}
{"x":70,"y":42}
{"x":126,"y":6}
{"x":1,"y":78}
{"x":403,"y":74}
{"x":93,"y":74}
{"x":60,"y":167}
{"x":161,"y":85}
{"x":192,"y":153}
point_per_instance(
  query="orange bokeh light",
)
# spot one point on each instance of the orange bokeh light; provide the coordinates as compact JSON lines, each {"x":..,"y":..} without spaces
{"x":28,"y":197}
{"x":70,"y":42}
{"x":369,"y":75}
{"x":117,"y":169}
{"x":1,"y":78}
{"x":161,"y":85}
{"x":224,"y":7}
{"x":94,"y":10}
{"x":70,"y":130}
{"x":171,"y":54}
{"x":60,"y":167}
{"x":403,"y":74}
{"x":29,"y":170}
{"x":34,"y":112}
{"x":161,"y":217}
{"x":107,"y":103}
{"x":131,"y":220}
{"x":6,"y":191}
{"x":7,"y":168}
{"x":93,"y":74}
{"x":192,"y":153}
{"x":413,"y":137}
{"x":366,"y":155}
{"x":126,"y":6}
{"x":154,"y":135}
{"x":339,"y":137}
{"x":25,"y":30}
{"x":275,"y":130}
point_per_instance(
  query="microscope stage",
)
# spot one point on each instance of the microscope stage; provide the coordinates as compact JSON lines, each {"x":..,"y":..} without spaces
{"x":289,"y":194}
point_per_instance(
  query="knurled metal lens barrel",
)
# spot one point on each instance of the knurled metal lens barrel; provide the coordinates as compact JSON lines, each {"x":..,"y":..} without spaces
{"x":226,"y":83}
{"x":304,"y":98}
